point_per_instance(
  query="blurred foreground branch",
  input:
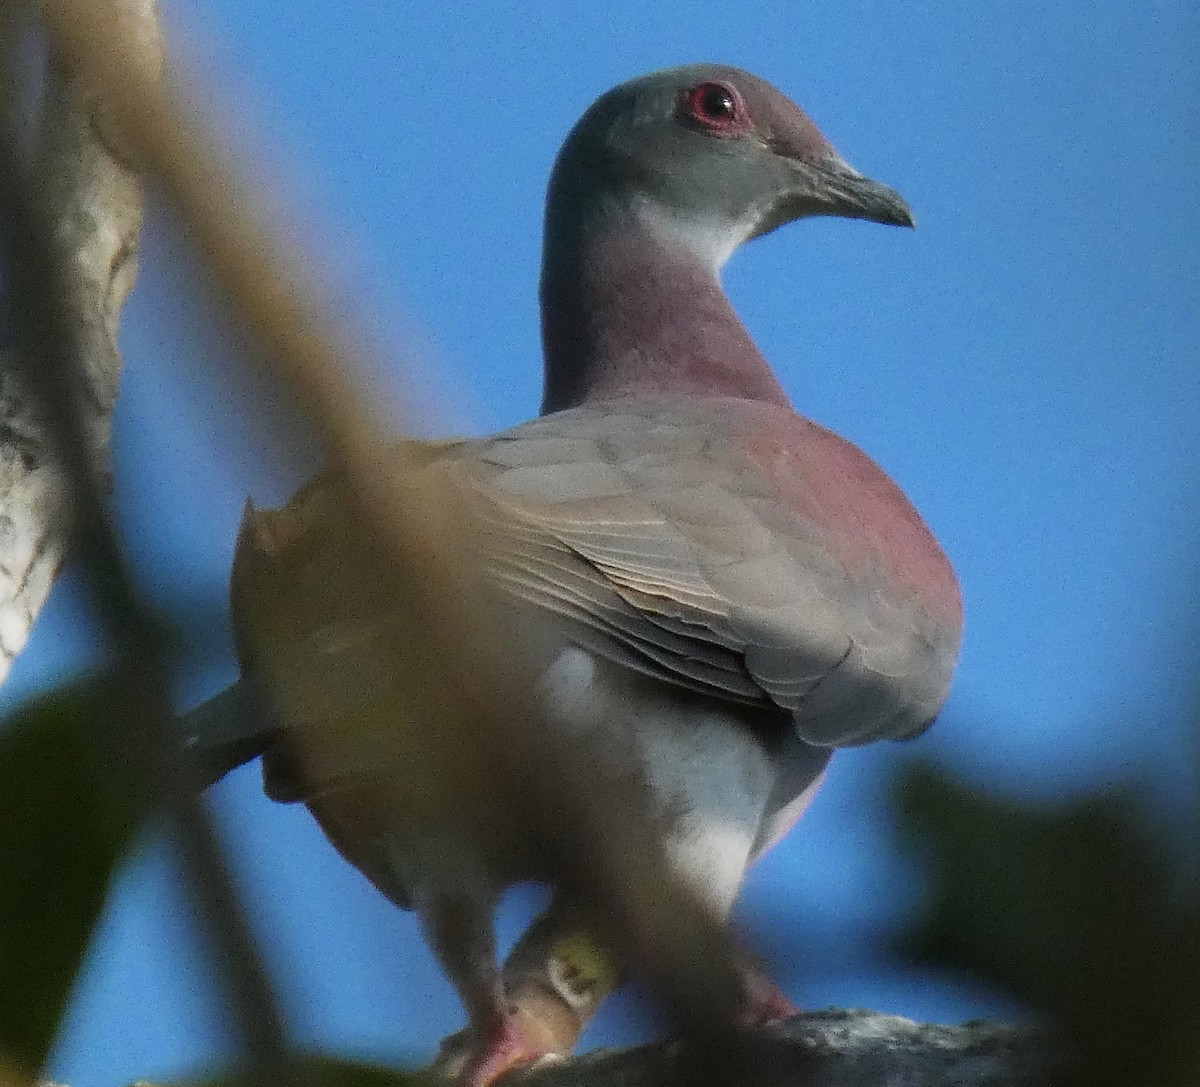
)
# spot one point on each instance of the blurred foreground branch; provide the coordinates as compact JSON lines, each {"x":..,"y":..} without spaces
{"x":66,"y":365}
{"x":467,"y":689}
{"x":93,"y":207}
{"x":467,"y":686}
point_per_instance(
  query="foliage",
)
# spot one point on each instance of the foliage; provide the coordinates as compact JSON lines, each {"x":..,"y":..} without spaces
{"x":1072,"y":908}
{"x":65,"y":823}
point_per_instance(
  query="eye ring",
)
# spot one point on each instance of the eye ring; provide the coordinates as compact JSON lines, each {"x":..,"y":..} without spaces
{"x":714,"y":106}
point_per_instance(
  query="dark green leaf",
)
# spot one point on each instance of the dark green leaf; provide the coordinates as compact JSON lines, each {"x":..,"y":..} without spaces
{"x":63,"y":828}
{"x":1069,"y":908}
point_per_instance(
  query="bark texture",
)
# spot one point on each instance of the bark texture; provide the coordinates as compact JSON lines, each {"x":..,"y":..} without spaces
{"x":831,"y":1048}
{"x":93,"y":201}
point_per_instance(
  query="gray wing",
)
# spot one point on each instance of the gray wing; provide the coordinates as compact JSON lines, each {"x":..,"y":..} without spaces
{"x":661,"y":547}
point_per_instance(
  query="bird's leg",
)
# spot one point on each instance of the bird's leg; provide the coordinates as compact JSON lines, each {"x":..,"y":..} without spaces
{"x":461,"y":936}
{"x":763,"y":1001}
{"x":558,"y":975}
{"x":561,"y":971}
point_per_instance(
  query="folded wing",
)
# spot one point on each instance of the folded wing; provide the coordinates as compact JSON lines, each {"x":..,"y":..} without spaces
{"x":705,"y":543}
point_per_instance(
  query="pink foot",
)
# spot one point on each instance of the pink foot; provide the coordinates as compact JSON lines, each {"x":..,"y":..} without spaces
{"x":472,"y":1062}
{"x":765,"y":1001}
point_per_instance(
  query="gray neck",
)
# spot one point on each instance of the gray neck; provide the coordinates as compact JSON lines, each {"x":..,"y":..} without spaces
{"x":628,"y":309}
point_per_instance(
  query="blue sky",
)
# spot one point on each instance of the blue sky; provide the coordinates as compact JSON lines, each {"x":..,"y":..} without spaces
{"x":1025,"y":364}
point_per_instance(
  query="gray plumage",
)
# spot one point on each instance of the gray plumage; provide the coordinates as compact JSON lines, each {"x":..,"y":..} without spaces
{"x":713,"y":591}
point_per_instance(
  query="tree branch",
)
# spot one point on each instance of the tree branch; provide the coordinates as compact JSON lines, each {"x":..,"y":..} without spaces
{"x":830,"y":1048}
{"x":835,"y":1048}
{"x":64,"y":312}
{"x":93,"y":203}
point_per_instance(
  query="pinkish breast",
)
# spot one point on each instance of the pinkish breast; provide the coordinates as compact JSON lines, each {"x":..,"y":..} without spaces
{"x":828,"y":479}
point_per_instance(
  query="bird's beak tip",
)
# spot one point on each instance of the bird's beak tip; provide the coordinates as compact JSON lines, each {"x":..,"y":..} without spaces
{"x":881,"y":204}
{"x":857,"y":196}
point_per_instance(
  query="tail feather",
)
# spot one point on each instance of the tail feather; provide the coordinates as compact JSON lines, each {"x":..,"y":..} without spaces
{"x":226,"y":732}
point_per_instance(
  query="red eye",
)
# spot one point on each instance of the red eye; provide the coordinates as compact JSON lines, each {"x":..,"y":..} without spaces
{"x":715,"y":106}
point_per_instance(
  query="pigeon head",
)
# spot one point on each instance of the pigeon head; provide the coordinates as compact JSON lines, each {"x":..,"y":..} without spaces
{"x":654,"y":188}
{"x":712,"y":156}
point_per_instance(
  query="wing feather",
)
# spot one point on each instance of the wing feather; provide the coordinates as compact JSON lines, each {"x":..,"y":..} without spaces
{"x":649,"y":532}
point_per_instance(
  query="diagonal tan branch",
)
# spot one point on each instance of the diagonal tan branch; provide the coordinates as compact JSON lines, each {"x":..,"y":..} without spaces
{"x":58,"y":344}
{"x":465,"y":692}
{"x":93,"y":202}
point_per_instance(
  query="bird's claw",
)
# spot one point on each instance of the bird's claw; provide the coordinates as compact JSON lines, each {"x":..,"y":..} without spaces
{"x":467,"y":1060}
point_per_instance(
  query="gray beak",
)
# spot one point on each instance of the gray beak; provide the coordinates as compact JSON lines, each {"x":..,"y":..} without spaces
{"x":829,"y":186}
{"x":854,"y":196}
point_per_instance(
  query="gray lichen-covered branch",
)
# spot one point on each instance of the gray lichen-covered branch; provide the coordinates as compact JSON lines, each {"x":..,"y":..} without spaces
{"x":830,"y":1048}
{"x":835,"y":1048}
{"x":92,"y":199}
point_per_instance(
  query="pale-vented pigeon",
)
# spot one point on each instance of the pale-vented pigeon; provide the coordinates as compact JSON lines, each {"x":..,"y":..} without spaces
{"x":718,"y":588}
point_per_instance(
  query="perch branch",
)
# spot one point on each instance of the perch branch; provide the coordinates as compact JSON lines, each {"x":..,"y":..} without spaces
{"x":836,"y":1048}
